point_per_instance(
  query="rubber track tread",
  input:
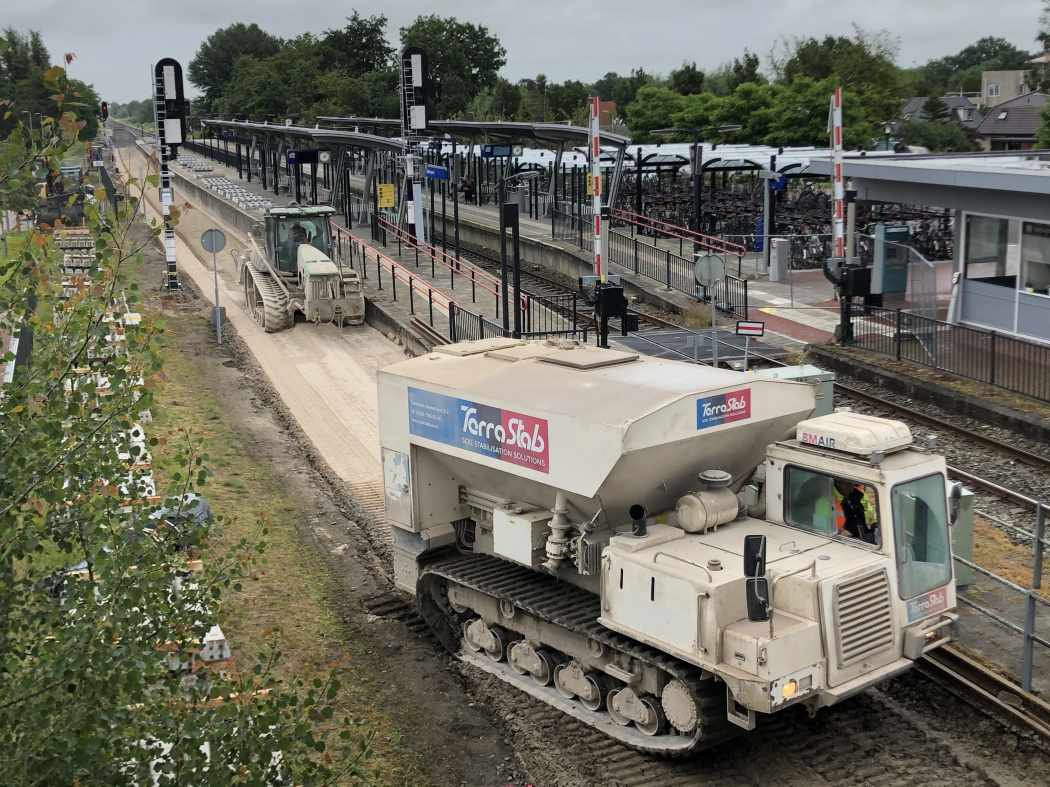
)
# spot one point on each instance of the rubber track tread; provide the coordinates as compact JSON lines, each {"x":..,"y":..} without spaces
{"x":275,"y":302}
{"x":571,"y":608}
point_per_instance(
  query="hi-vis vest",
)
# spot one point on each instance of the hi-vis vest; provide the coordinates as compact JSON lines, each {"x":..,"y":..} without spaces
{"x":840,"y":515}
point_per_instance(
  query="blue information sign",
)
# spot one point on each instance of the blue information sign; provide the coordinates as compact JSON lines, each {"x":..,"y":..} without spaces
{"x":437,"y":173}
{"x":495,"y":151}
{"x":434,"y":144}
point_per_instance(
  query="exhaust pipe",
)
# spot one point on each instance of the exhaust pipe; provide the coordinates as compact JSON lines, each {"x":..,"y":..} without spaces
{"x":638,"y":517}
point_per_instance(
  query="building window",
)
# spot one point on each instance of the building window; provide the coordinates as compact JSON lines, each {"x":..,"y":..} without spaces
{"x":1035,"y":258}
{"x":1002,"y":115}
{"x":987,"y":247}
{"x":993,"y":91}
{"x":968,"y":114}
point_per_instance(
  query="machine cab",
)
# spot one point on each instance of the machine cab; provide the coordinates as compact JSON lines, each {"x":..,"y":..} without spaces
{"x":286,"y":231}
{"x":860,"y":481}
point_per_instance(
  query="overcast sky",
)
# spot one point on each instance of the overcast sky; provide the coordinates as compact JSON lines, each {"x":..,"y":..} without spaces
{"x":115,"y":41}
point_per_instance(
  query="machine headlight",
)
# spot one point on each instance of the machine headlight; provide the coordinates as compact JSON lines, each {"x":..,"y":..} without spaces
{"x":790,"y":688}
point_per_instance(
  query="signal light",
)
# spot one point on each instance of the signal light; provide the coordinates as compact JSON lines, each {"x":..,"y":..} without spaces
{"x":105,"y":110}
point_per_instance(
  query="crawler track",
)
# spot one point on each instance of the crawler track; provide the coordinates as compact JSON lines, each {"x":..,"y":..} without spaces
{"x":576,"y":611}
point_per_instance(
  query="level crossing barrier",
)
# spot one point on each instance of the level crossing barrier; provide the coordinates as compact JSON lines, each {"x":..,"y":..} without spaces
{"x":974,"y":353}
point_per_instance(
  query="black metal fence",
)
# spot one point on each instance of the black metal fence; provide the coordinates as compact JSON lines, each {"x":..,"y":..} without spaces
{"x":676,"y":272}
{"x":541,"y":316}
{"x":985,"y":356}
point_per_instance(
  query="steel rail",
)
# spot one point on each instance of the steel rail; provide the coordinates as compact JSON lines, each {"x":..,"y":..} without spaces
{"x":987,"y":690}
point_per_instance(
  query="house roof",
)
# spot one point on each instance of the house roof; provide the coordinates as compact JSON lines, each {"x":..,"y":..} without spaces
{"x":914,"y":107}
{"x":1018,"y":117}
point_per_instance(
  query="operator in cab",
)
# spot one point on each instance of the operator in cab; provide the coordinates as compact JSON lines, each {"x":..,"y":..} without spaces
{"x":854,"y":514}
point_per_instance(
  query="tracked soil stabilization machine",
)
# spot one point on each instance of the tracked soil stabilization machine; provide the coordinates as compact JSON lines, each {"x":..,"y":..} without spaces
{"x":296,"y":272}
{"x":661,"y":550}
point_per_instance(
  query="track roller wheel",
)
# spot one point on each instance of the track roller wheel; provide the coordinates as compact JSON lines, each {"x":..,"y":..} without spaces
{"x":614,"y":714}
{"x":657,"y":722}
{"x":479,"y":636}
{"x":599,"y":691}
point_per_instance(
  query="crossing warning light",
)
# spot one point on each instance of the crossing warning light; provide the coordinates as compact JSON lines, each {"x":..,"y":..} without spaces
{"x":105,"y":110}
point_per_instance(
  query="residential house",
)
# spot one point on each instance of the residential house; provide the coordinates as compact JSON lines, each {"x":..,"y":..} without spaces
{"x":1013,"y":124}
{"x":963,"y":111}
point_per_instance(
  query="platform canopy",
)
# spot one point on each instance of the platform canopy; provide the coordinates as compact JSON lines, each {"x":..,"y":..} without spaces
{"x":1014,"y":184}
{"x":319,"y":135}
{"x":541,"y":132}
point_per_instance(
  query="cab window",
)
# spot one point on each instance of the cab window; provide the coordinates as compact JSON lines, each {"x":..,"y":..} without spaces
{"x":831,"y":505}
{"x":920,"y":529}
{"x":295,"y":230}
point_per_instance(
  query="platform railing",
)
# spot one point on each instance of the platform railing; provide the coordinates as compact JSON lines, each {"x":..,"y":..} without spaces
{"x":675,"y":272}
{"x":359,"y":255}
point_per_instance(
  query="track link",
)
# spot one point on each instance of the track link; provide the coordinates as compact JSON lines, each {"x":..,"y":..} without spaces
{"x":272,"y":314}
{"x":577,"y":611}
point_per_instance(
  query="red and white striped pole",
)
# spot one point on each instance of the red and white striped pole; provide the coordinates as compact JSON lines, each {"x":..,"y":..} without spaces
{"x":596,"y":191}
{"x":835,"y":129}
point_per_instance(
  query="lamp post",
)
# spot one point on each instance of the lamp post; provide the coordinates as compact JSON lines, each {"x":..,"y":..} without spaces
{"x":696,"y":132}
{"x":27,"y":112}
{"x":501,"y":191}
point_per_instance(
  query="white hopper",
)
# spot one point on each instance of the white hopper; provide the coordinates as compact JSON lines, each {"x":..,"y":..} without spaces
{"x":609,"y":429}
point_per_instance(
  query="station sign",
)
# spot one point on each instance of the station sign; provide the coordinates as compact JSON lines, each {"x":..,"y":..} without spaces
{"x":434,"y":144}
{"x":386,"y":195}
{"x":434,"y":172}
{"x":501,"y":151}
{"x":750,"y":328}
{"x":300,"y":156}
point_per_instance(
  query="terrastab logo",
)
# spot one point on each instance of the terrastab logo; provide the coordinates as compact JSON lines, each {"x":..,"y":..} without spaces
{"x":723,"y":408}
{"x":501,"y":434}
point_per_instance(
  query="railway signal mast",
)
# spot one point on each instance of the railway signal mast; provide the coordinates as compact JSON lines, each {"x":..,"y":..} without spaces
{"x":413,"y":126}
{"x":169,"y":104}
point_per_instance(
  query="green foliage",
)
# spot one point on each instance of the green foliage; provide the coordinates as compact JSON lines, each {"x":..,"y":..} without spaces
{"x":359,"y":48}
{"x":462,"y":58}
{"x":937,"y":136}
{"x":936,"y":110}
{"x":962,"y":71}
{"x":864,"y":65}
{"x":687,"y":80}
{"x":212,"y":65}
{"x":1044,"y":130}
{"x":795,"y":114}
{"x":86,"y":693}
{"x":24,"y":60}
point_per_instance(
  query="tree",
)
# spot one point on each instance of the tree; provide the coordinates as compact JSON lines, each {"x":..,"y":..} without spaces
{"x":962,"y":71}
{"x":936,"y":110}
{"x":626,"y":89}
{"x":1038,"y":75}
{"x":212,"y":65}
{"x":687,"y":80}
{"x":23,"y":62}
{"x":93,"y":609}
{"x":360,"y":47}
{"x":745,"y":71}
{"x":462,"y":58}
{"x":936,"y":136}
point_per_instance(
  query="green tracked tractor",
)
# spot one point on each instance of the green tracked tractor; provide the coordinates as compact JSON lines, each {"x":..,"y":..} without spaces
{"x":296,"y":272}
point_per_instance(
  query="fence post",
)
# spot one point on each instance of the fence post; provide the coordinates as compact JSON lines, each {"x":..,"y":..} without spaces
{"x":411,"y":297}
{"x":1029,"y":612}
{"x":991,"y":376}
{"x":745,"y":299}
{"x":393,"y":282}
{"x":898,"y":337}
{"x":668,"y":252}
{"x":379,"y":272}
{"x":430,"y":303}
{"x":635,"y":255}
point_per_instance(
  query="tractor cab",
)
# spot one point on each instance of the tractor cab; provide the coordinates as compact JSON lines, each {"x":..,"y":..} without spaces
{"x":289,"y":228}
